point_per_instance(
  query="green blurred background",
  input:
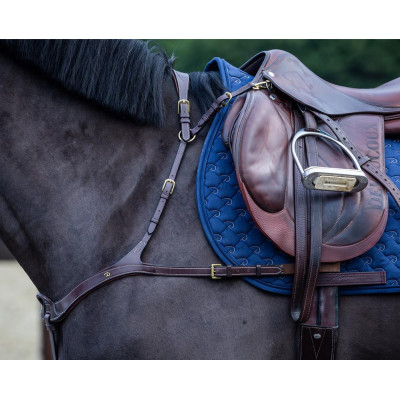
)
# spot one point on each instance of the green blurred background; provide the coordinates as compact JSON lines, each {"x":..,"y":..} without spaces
{"x":356,"y":63}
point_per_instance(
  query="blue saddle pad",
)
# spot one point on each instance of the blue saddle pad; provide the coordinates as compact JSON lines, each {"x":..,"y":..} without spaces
{"x":235,"y":238}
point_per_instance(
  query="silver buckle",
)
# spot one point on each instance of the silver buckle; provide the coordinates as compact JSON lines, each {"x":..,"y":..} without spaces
{"x":332,"y":179}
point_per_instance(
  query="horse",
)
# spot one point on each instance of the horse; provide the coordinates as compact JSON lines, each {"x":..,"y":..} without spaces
{"x":88,"y":131}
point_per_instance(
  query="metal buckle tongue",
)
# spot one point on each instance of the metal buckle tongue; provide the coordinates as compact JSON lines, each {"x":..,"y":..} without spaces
{"x":327,"y":178}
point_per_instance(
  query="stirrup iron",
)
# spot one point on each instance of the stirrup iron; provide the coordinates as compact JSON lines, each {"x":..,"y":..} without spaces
{"x":327,"y":178}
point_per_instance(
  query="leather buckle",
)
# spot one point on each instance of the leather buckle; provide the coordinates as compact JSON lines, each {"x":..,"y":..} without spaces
{"x":213,"y":271}
{"x":172,"y":182}
{"x":183,"y":101}
{"x":262,"y":85}
{"x":227,"y":100}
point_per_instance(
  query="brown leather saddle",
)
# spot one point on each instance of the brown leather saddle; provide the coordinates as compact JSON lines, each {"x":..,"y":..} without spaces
{"x":309,"y":158}
{"x":340,"y":128}
{"x":260,"y":127}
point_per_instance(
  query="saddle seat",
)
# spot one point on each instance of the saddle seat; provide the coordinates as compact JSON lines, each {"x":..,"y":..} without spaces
{"x":288,"y":72}
{"x":386,"y":95}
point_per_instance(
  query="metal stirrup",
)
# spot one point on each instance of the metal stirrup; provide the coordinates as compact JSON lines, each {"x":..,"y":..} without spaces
{"x":328,"y":178}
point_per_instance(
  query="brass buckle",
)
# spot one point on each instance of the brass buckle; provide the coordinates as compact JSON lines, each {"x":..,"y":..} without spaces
{"x":170,"y":181}
{"x":213,"y":271}
{"x":226,"y":101}
{"x":262,"y":85}
{"x":183,"y":101}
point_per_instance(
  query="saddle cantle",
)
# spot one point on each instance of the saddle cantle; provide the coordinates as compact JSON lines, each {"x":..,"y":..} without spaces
{"x":259,"y":129}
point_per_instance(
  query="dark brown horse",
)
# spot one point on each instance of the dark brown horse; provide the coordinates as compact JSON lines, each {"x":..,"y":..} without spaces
{"x":88,"y":131}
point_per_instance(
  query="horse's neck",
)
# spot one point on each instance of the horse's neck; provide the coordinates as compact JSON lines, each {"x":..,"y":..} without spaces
{"x":77,"y":184}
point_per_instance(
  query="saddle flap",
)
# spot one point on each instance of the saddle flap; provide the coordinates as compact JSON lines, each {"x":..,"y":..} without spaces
{"x":263,"y":152}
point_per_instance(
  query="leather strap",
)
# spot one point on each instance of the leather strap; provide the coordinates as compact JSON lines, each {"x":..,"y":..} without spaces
{"x":57,"y":311}
{"x":363,"y":160}
{"x":185,"y":135}
{"x":219,"y":103}
{"x":314,"y":235}
{"x":317,"y":337}
{"x":301,"y":260}
{"x":51,"y":329}
{"x":182,"y":86}
{"x":308,"y":215}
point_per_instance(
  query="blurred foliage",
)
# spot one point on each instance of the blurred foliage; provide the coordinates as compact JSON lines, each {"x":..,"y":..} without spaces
{"x":356,"y":63}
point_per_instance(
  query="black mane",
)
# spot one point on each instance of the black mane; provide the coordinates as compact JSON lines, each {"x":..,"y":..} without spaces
{"x":113,"y":73}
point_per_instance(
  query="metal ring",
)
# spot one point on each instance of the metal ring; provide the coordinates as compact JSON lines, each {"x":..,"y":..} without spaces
{"x":188,"y":141}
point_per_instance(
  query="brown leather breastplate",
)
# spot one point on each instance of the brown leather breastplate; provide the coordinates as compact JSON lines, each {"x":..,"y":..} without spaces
{"x":260,"y":147}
